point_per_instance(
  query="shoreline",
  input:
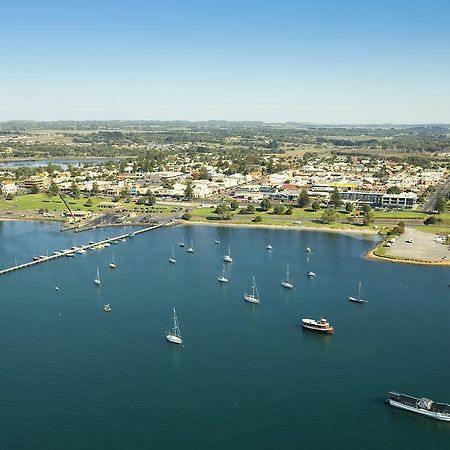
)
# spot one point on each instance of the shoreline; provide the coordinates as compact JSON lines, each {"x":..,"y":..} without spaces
{"x":370,"y":255}
{"x":349,"y":231}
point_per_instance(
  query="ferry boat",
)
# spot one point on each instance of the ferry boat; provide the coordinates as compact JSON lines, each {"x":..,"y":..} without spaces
{"x":321,"y":325}
{"x":424,"y":406}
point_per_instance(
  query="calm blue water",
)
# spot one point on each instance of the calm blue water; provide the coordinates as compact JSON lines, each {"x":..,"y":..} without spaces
{"x":73,"y":377}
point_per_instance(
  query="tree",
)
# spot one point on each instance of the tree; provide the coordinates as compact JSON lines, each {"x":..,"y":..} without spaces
{"x":366,"y":208}
{"x":186,"y":216}
{"x":141,"y":201}
{"x":369,"y":217}
{"x":234,"y":205}
{"x":439,"y":204}
{"x":53,"y":189}
{"x":394,"y":190}
{"x":188,"y":191}
{"x":431,"y":220}
{"x":124,"y":193}
{"x":303,"y":199}
{"x":330,"y":215}
{"x":34,"y":190}
{"x":315,"y":206}
{"x":95,"y":190}
{"x":265,"y":204}
{"x":150,"y":197}
{"x":257,"y":219}
{"x":75,"y":190}
{"x":250,"y":209}
{"x":9,"y":196}
{"x":88,"y":203}
{"x":223,"y":211}
{"x":278,"y":210}
{"x":288,"y":211}
{"x":349,"y":207}
{"x":336,"y":198}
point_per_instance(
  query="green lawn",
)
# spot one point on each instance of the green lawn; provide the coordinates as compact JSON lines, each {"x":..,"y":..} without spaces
{"x":41,"y":201}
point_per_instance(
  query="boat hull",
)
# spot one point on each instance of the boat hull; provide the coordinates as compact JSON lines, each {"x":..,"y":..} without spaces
{"x":423,"y":412}
{"x":310,"y":324}
{"x":249,"y":298}
{"x":287,"y":285}
{"x":356,"y":300}
{"x":174,"y":339}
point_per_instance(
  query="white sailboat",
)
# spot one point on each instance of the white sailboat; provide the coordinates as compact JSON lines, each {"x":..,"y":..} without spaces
{"x":217,"y":241}
{"x":181,"y":244}
{"x":172,"y":259}
{"x":254,"y":296}
{"x":112,"y":264}
{"x":360,"y":298}
{"x":97,"y":281}
{"x":310,"y":274}
{"x":287,"y":283}
{"x":269,"y":247}
{"x":107,"y":308}
{"x":223,"y":278}
{"x":191,"y":248}
{"x":228,"y":258}
{"x":174,"y":335}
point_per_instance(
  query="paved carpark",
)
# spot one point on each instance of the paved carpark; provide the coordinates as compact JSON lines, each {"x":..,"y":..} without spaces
{"x":423,"y":246}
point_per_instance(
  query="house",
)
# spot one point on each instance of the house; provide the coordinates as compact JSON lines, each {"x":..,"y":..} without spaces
{"x":8,"y":187}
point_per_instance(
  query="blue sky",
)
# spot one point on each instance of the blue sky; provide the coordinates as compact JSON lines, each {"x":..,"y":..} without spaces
{"x":317,"y":61}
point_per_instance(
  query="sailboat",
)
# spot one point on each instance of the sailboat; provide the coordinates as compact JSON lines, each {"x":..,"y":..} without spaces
{"x":360,"y":298}
{"x":254,"y":296}
{"x":287,"y":283}
{"x":228,"y":258}
{"x":112,"y":264}
{"x":174,"y":335}
{"x":223,"y":278}
{"x":107,"y":308}
{"x":217,"y":241}
{"x":191,"y":248}
{"x":172,"y":259}
{"x":181,"y":244}
{"x":97,"y":281}
{"x":269,"y":247}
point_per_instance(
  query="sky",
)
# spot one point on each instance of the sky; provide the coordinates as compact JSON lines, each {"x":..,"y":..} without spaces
{"x":322,"y":61}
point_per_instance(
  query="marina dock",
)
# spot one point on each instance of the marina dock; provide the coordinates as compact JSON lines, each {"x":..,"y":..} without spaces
{"x":74,"y":250}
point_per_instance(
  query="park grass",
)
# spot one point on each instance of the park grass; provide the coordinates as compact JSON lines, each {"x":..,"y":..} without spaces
{"x":440,"y":229}
{"x":33,"y":202}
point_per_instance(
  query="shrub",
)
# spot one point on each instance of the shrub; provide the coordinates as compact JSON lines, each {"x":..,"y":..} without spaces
{"x":257,"y":219}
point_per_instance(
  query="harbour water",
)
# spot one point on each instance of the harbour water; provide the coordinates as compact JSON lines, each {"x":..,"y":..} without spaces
{"x":248,"y":376}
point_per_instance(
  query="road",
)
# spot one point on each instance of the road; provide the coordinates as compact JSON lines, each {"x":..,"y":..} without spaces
{"x":443,"y":189}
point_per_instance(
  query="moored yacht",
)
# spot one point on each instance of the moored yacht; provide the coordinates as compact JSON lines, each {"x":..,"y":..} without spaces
{"x":97,"y":280}
{"x":311,"y":274}
{"x":174,"y":335}
{"x":172,"y":259}
{"x":223,"y":278}
{"x":287,"y":282}
{"x":254,"y":296}
{"x":321,"y":325}
{"x":107,"y":308}
{"x":191,"y":248}
{"x":269,"y":247}
{"x":228,"y":258}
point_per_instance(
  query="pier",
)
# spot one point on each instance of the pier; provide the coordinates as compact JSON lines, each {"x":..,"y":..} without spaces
{"x":73,"y":251}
